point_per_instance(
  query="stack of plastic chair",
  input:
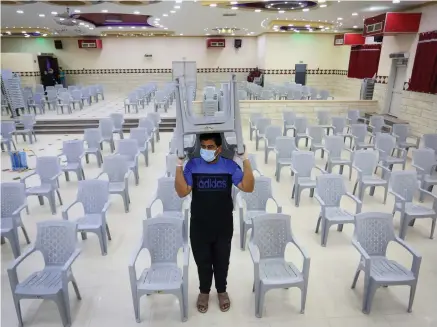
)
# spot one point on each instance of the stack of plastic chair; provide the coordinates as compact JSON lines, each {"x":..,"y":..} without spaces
{"x":425,"y":164}
{"x":316,"y":135}
{"x":28,"y":122}
{"x":270,"y":236}
{"x":252,"y":122}
{"x":359,"y":133}
{"x":377,"y":124}
{"x":116,"y":168}
{"x":93,"y":138}
{"x":210,"y":93}
{"x":131,"y":101}
{"x":272,"y":132}
{"x":288,"y":119}
{"x":300,"y":126}
{"x":365,"y":162}
{"x":267,"y":95}
{"x":373,"y":233}
{"x":48,"y":170}
{"x":334,"y":146}
{"x":76,"y":96}
{"x":403,"y":186}
{"x":140,"y":135}
{"x":149,"y":125}
{"x":313,"y":93}
{"x":303,"y":163}
{"x":339,"y":126}
{"x":65,"y":101}
{"x":189,"y":123}
{"x":57,"y":242}
{"x":256,"y":205}
{"x":330,"y":189}
{"x":172,"y":204}
{"x":385,"y":144}
{"x":13,"y":201}
{"x":402,"y":133}
{"x":118,"y":120}
{"x":7,"y":130}
{"x":106,"y":126}
{"x":164,"y":263}
{"x":306,"y":92}
{"x":284,"y":148}
{"x":73,"y":151}
{"x":93,"y":195}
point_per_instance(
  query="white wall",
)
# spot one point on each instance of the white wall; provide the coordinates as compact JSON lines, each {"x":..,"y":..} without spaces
{"x":129,"y":52}
{"x":392,"y":44}
{"x":261,"y":51}
{"x":19,"y":62}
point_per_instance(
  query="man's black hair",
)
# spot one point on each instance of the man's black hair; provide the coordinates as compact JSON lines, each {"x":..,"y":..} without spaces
{"x":216,"y":137}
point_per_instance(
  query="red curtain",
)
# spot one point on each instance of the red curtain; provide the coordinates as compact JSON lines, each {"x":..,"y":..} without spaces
{"x":424,"y":75}
{"x":364,"y":61}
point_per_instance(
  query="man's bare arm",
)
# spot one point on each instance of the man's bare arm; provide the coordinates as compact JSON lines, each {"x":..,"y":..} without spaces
{"x":248,"y":183}
{"x":181,"y":186}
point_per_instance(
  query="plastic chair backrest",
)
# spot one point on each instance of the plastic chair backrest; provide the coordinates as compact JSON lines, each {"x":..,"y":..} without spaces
{"x":255,"y":116}
{"x":38,"y":97}
{"x":404,"y":183}
{"x":430,"y":141}
{"x":72,"y":88}
{"x":140,"y":135}
{"x":85,"y":92}
{"x":115,"y":167}
{"x":297,"y":94}
{"x":324,"y":94}
{"x":300,"y":123}
{"x":106,"y":126}
{"x":52,"y":94}
{"x":168,"y":196}
{"x":303,"y":162}
{"x":242,"y":95}
{"x":28,"y":121}
{"x":425,"y":159}
{"x":46,"y":168}
{"x":133,"y":97}
{"x":65,"y":97}
{"x":402,"y":131}
{"x":335,"y":145}
{"x":285,"y":145}
{"x":272,"y":132}
{"x":377,"y":122}
{"x":99,"y":88}
{"x":76,"y":95}
{"x":353,"y":115}
{"x":155,"y":117}
{"x":128,"y":148}
{"x":39,"y":88}
{"x":159,"y":96}
{"x":147,"y":124}
{"x":289,"y":117}
{"x":163,"y":238}
{"x":323,"y":117}
{"x":93,"y":90}
{"x":271,"y":233}
{"x":339,"y":124}
{"x":59,"y":86}
{"x":57,"y":240}
{"x":73,"y":150}
{"x":359,"y":131}
{"x":317,"y":133}
{"x":330,"y":188}
{"x":93,"y":137}
{"x":62,"y":90}
{"x":386,"y":143}
{"x":118,"y":120}
{"x":93,"y":194}
{"x":257,"y":200}
{"x":8,"y":127}
{"x":374,"y":231}
{"x":13,"y":195}
{"x":262,"y":123}
{"x":366,"y":161}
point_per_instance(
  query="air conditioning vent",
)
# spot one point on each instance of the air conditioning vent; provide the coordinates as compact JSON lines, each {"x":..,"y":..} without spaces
{"x":229,"y":15}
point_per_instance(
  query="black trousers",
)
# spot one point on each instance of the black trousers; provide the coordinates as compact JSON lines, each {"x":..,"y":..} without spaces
{"x":211,"y":254}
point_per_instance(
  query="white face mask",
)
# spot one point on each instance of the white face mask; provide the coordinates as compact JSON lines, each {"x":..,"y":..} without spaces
{"x":208,"y":155}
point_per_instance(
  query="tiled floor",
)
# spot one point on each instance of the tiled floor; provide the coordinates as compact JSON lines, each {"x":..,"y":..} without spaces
{"x":104,"y":281}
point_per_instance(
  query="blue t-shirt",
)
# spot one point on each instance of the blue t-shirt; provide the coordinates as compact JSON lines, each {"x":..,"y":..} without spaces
{"x":222,"y":166}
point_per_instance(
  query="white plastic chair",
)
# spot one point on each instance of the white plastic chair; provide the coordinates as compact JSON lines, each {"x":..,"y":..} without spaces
{"x":284,"y":148}
{"x":425,"y":163}
{"x":140,"y":135}
{"x":129,"y":149}
{"x":272,"y":132}
{"x":93,"y":138}
{"x":334,"y":146}
{"x":73,"y":151}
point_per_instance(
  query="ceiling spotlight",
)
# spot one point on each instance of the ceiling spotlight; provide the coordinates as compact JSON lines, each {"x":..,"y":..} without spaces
{"x":20,"y":11}
{"x":24,"y":32}
{"x":109,"y":28}
{"x":44,"y":35}
{"x":8,"y":32}
{"x":61,"y":19}
{"x":355,"y":26}
{"x":176,"y":7}
{"x":178,"y":1}
{"x":166,"y":28}
{"x":172,"y":11}
{"x":213,"y":5}
{"x":339,"y":18}
{"x":136,"y":12}
{"x":307,"y":25}
{"x":41,"y":15}
{"x":132,"y":27}
{"x":91,"y":28}
{"x":305,"y":9}
{"x":82,"y":24}
{"x":181,"y":34}
{"x":120,"y":27}
{"x":257,"y":10}
{"x":290,"y":24}
{"x":234,"y":8}
{"x":234,"y":2}
{"x":165,"y":15}
{"x":322,"y":6}
{"x":281,"y":11}
{"x":104,"y":10}
{"x":27,"y":35}
{"x":354,"y":14}
{"x":396,"y":1}
{"x":77,"y":10}
{"x":54,"y":13}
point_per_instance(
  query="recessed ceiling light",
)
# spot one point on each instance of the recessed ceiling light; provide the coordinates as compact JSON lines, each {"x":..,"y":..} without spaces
{"x":20,"y":11}
{"x":213,"y":5}
{"x":109,"y":28}
{"x":305,"y":9}
{"x":354,"y":14}
{"x":54,"y":13}
{"x":165,"y":15}
{"x":335,"y":31}
{"x":181,"y":34}
{"x":290,"y":24}
{"x":132,"y":27}
{"x":281,"y":11}
{"x":8,"y":32}
{"x":91,"y":28}
{"x":166,"y":28}
{"x":326,"y":28}
{"x":307,"y":25}
{"x":210,"y":34}
{"x":234,"y":8}
{"x":322,"y":6}
{"x":76,"y":10}
{"x":339,"y":18}
{"x":172,"y":11}
{"x":82,"y":24}
{"x":321,"y":1}
{"x":234,"y":2}
{"x":27,"y":35}
{"x":41,"y":15}
{"x":396,"y":1}
{"x":176,"y":7}
{"x":44,"y":35}
{"x":120,"y":27}
{"x":355,"y":26}
{"x":257,"y":10}
{"x":136,"y":12}
{"x":104,"y":10}
{"x":61,"y":19}
{"x":178,"y":1}
{"x":24,"y":32}
{"x":144,"y":27}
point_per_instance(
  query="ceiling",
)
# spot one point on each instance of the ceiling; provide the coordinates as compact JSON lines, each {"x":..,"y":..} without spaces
{"x":189,"y":18}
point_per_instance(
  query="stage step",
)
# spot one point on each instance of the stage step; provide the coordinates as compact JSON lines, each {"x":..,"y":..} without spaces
{"x":77,"y":126}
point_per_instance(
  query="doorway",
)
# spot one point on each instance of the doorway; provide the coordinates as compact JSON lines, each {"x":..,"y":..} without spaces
{"x":395,"y":89}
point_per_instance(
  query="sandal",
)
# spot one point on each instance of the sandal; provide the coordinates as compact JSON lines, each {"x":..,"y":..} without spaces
{"x":202,"y":302}
{"x":224,"y":301}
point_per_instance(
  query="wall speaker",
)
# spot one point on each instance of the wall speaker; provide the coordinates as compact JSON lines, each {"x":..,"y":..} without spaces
{"x":238,"y":43}
{"x":378,"y":38}
{"x":58,"y":44}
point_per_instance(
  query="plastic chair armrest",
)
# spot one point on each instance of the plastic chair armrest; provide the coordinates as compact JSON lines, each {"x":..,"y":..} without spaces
{"x":56,"y":176}
{"x":99,"y":175}
{"x":418,"y":168}
{"x":254,"y":253}
{"x":65,"y":212}
{"x":357,"y":169}
{"x":319,"y":199}
{"x":358,"y":202}
{"x":395,"y":135}
{"x":323,"y":171}
{"x":278,"y":207}
{"x":23,"y":180}
{"x":421,"y":190}
{"x":149,"y":207}
{"x":363,"y":253}
{"x":106,"y":207}
{"x":186,"y":255}
{"x":19,"y":209}
{"x":70,"y":260}
{"x":417,"y":258}
{"x":293,"y":170}
{"x":135,"y":256}
{"x":14,"y":264}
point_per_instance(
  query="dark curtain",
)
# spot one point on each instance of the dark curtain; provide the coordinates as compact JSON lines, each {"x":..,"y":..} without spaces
{"x":424,"y":75}
{"x":364,"y":61}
